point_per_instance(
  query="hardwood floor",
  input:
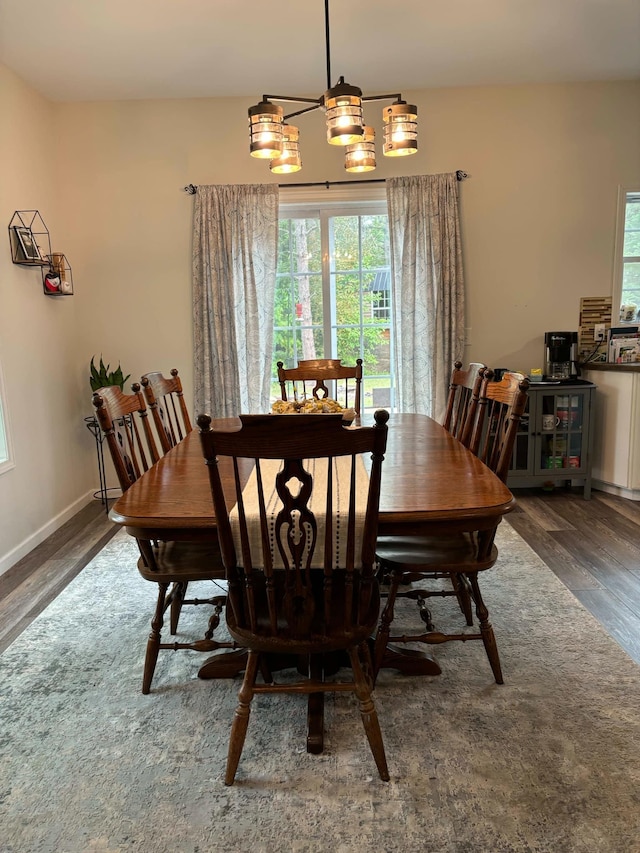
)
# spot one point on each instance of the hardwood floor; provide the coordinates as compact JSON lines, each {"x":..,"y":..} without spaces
{"x":33,"y":582}
{"x":592,"y":546}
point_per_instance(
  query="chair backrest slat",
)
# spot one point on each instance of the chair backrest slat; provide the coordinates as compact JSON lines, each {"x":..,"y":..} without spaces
{"x":281,"y":547}
{"x":500,"y":409}
{"x":462,"y":401}
{"x":119,"y":416}
{"x":168,"y":408}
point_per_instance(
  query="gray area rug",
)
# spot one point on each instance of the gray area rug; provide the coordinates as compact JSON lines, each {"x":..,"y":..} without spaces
{"x":547,"y":762}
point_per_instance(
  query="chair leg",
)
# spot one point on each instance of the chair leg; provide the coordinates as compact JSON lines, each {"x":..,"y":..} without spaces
{"x":178,"y":594}
{"x":462,"y":594}
{"x":241,"y":717}
{"x":384,"y":628}
{"x":486,"y":630}
{"x":368,"y":710}
{"x":153,"y":643}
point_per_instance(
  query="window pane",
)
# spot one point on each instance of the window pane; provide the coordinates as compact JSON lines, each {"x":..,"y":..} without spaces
{"x":631,"y":283}
{"x":375,"y":241}
{"x":632,"y":229}
{"x":346,"y":249}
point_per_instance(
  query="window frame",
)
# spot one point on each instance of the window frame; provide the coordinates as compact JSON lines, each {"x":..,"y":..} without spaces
{"x":624,"y":194}
{"x":5,"y":428}
{"x":345,"y":201}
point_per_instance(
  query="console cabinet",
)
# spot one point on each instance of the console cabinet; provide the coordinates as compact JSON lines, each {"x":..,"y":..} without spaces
{"x":554,"y":443}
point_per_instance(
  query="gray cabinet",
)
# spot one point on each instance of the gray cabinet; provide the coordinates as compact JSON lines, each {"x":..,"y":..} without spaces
{"x":554,"y":442}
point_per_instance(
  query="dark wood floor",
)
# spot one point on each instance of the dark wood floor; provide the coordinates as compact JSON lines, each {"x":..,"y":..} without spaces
{"x":32,"y":583}
{"x":592,"y":546}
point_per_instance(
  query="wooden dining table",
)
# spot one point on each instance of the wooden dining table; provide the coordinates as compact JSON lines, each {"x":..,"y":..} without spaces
{"x":431,"y":484}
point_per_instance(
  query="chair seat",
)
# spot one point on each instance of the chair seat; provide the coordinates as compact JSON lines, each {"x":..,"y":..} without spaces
{"x":303,"y":622}
{"x":177,"y":562}
{"x":422,"y":554}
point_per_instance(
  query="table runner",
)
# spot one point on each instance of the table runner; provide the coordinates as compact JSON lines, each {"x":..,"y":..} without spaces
{"x":318,"y":468}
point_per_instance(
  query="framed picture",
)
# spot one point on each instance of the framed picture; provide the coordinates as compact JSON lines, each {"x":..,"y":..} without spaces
{"x":26,"y":243}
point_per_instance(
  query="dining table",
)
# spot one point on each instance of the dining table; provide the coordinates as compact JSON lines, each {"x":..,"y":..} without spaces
{"x":431,"y":485}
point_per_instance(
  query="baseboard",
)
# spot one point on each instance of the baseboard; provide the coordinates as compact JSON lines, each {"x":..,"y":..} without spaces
{"x":620,"y":491}
{"x":31,"y":542}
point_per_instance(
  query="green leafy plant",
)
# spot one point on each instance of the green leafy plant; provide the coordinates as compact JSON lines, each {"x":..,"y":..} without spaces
{"x":103,"y":376}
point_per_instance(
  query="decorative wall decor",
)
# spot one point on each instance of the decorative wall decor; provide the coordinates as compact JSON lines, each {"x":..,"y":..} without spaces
{"x":31,"y":246}
{"x":57,"y":279}
{"x":29,"y":238}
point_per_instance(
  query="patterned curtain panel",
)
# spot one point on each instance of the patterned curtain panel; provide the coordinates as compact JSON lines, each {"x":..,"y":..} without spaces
{"x":235,"y":244}
{"x":427,"y":286}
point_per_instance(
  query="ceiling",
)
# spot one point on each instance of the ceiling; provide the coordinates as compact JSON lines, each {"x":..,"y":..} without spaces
{"x":71,"y":50}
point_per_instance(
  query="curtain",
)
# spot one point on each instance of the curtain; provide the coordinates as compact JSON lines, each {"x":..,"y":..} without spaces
{"x":427,"y":288}
{"x":235,"y":243}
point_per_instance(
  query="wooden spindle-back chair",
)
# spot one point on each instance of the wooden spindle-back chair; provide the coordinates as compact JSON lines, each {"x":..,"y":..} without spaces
{"x":167,"y":406}
{"x":412,"y":559}
{"x":124,"y":421}
{"x":299,"y":553}
{"x":321,"y":378}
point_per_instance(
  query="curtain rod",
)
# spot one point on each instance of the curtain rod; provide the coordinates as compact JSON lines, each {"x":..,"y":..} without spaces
{"x":460,"y":175}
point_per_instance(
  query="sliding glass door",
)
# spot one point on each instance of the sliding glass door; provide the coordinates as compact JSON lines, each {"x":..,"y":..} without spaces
{"x":333,"y":296}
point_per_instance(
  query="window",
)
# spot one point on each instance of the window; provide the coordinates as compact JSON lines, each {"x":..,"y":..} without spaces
{"x":628,"y":256}
{"x":6,"y":456}
{"x":333,"y":294}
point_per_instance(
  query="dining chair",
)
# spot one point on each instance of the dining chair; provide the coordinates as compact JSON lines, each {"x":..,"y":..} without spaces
{"x":124,"y":421}
{"x":299,"y":554}
{"x":168,"y":407}
{"x":462,"y":400}
{"x":310,"y":378}
{"x":462,"y":403}
{"x":412,"y":559}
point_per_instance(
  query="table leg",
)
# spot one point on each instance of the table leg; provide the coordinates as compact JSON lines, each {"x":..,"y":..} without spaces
{"x":409,"y":661}
{"x":224,"y":664}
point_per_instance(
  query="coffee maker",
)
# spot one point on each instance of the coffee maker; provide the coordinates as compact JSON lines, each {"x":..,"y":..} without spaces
{"x":561,"y":355}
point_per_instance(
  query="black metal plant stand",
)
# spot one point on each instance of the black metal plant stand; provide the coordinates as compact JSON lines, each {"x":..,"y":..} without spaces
{"x":103,"y":492}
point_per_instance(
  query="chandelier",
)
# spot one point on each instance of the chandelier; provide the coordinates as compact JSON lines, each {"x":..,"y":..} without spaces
{"x":272,"y":136}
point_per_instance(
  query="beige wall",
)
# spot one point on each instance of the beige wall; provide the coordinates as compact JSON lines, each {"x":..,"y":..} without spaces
{"x":40,"y":353}
{"x":538,"y":213}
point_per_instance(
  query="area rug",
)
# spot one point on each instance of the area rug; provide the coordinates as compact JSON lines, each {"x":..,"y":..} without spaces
{"x":547,"y":763}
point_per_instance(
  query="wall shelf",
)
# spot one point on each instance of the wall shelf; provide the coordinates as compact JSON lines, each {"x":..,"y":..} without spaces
{"x":57,"y":278}
{"x":31,"y":247}
{"x":29,"y":238}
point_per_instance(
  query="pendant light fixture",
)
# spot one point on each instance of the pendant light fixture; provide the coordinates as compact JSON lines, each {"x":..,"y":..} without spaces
{"x":289,"y":160}
{"x":361,"y":156}
{"x":272,"y":137}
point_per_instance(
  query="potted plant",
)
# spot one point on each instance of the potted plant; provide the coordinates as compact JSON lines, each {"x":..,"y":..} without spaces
{"x":102,"y":376}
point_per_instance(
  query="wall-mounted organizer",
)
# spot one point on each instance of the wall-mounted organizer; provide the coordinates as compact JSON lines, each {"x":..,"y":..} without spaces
{"x":57,"y":279}
{"x":30,"y":241}
{"x":31,"y":247}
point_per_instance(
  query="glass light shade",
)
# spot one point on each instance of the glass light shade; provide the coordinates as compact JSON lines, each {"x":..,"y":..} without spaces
{"x":289,"y":161}
{"x":361,"y":157}
{"x":400,"y":130}
{"x":265,"y":130}
{"x":343,"y":104}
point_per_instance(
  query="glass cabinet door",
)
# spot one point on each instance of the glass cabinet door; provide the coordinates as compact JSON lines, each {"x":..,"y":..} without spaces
{"x":523,"y":447}
{"x":561,"y":429}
